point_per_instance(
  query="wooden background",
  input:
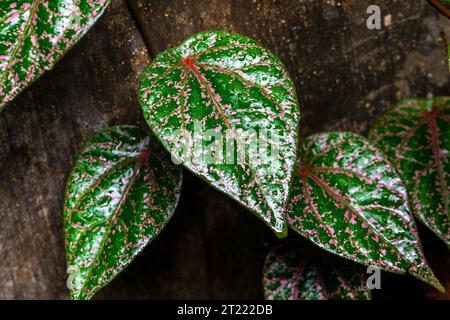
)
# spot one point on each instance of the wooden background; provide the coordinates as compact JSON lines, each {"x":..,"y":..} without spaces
{"x":346,"y":76}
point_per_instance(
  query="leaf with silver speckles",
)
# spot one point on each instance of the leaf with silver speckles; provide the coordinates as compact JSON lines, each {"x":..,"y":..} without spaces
{"x":35,"y":34}
{"x":348,"y":199}
{"x":292,"y":272}
{"x":415,"y":135}
{"x":121,"y":192}
{"x":225,"y":83}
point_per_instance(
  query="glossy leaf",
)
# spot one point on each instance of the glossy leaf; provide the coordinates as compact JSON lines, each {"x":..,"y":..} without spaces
{"x":415,"y":135}
{"x":35,"y":34}
{"x":228,"y":84}
{"x":121,"y":192}
{"x":291,"y":272}
{"x":348,"y":199}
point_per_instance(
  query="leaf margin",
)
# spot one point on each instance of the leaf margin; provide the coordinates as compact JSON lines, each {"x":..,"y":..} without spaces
{"x":432,"y":280}
{"x":4,"y":102}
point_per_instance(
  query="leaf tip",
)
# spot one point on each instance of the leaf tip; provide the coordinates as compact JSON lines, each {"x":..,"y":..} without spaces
{"x":425,"y":274}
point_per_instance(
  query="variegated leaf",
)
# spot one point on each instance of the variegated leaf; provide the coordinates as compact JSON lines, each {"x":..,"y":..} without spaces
{"x":35,"y":34}
{"x":227,"y":84}
{"x":291,"y":272}
{"x":415,"y":135}
{"x":348,"y":199}
{"x":121,"y":192}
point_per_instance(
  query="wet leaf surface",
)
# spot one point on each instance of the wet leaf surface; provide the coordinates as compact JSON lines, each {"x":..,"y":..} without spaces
{"x":120,"y":194}
{"x":216,"y":82}
{"x":348,"y":199}
{"x":415,"y":135}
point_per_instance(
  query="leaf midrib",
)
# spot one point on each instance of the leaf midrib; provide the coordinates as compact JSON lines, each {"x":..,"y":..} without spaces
{"x":203,"y":82}
{"x":341,"y":170}
{"x":118,"y":165}
{"x":136,"y":171}
{"x":269,"y":96}
{"x":336,"y":197}
{"x":421,"y":115}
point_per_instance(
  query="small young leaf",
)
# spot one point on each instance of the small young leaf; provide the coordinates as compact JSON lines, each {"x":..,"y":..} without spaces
{"x":122,"y":191}
{"x":292,"y":273}
{"x":216,"y":82}
{"x":348,"y":199}
{"x":35,"y":34}
{"x":415,"y":135}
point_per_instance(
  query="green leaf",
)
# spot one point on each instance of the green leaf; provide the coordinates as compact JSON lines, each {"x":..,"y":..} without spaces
{"x":415,"y":135}
{"x":35,"y":34}
{"x":291,"y":272}
{"x":228,"y":84}
{"x":348,"y":199}
{"x":121,"y":192}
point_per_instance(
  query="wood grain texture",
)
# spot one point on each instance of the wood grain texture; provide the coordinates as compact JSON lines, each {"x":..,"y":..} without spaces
{"x":346,"y":76}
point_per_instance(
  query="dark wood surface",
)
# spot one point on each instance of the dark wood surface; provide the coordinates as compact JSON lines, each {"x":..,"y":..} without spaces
{"x":346,"y":76}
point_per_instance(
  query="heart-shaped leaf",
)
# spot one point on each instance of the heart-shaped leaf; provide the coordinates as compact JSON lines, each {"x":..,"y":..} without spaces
{"x":291,"y":272}
{"x":35,"y":34}
{"x":415,"y":135}
{"x":348,"y":199}
{"x":122,"y":191}
{"x":228,"y":87}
